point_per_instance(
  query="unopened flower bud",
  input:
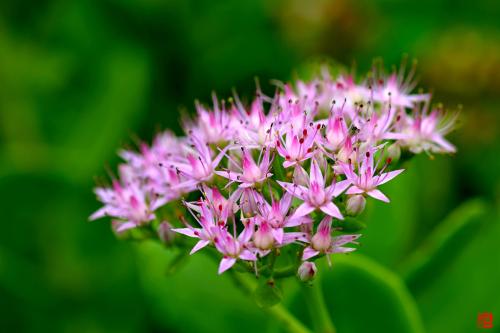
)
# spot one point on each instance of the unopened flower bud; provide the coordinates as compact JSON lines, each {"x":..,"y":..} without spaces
{"x":355,"y":205}
{"x":322,"y":240}
{"x":248,"y":203}
{"x":263,"y":238}
{"x":307,"y":271}
{"x":394,"y":152}
{"x":165,"y":233}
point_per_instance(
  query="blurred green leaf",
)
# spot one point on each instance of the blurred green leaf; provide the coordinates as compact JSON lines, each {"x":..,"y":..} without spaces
{"x":461,"y":278}
{"x":196,"y":298}
{"x":365,"y":297}
{"x":445,"y":243}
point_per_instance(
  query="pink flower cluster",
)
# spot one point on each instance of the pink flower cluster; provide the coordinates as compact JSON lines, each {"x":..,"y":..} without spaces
{"x":279,"y":170}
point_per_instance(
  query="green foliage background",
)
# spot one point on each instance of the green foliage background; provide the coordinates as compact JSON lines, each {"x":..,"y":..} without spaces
{"x":79,"y":79}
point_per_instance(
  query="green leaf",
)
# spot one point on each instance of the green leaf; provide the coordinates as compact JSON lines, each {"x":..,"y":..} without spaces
{"x":460,"y":277}
{"x":443,"y":245}
{"x":363,"y":296}
{"x":196,"y":298}
{"x":267,"y":294}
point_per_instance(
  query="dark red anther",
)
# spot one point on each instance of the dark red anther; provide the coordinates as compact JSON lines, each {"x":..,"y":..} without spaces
{"x":301,"y":141}
{"x":367,"y":154}
{"x":278,"y":143}
{"x":304,"y":132}
{"x":389,"y":160}
{"x":287,"y":157}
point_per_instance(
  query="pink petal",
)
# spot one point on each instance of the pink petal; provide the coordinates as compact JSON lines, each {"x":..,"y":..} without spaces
{"x":264,"y":164}
{"x":332,"y":210}
{"x":316,"y":175}
{"x":354,"y":190}
{"x":234,"y":176}
{"x":201,"y":244}
{"x":309,"y":252}
{"x":226,"y":263}
{"x":247,"y":255}
{"x":340,"y":187}
{"x":385,"y":177}
{"x":219,"y":157}
{"x":378,"y":195}
{"x":395,"y":136}
{"x":444,"y":144}
{"x":296,"y":221}
{"x":247,"y":233}
{"x":295,"y":190}
{"x":192,"y":206}
{"x":291,"y":237}
{"x":97,"y":215}
{"x":125,"y":226}
{"x":286,"y":201}
{"x":187,"y":231}
{"x":278,"y":235}
{"x":303,"y":210}
{"x":282,"y":151}
{"x":344,"y":239}
{"x":342,"y":249}
{"x":349,"y":172}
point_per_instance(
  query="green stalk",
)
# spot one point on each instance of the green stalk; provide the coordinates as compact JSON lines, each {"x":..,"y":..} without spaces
{"x":278,"y":311}
{"x":317,"y":308}
{"x":287,"y":320}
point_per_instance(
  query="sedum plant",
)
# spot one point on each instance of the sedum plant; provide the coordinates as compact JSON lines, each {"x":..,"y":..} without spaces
{"x":268,"y":187}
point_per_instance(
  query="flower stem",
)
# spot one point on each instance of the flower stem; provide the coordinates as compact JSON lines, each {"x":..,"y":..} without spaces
{"x":289,"y":322}
{"x":317,"y":308}
{"x":278,"y":311}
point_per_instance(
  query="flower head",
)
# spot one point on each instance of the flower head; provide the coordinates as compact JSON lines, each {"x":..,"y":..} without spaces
{"x":129,"y":204}
{"x":336,"y":140}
